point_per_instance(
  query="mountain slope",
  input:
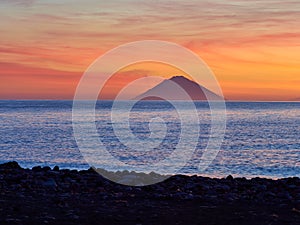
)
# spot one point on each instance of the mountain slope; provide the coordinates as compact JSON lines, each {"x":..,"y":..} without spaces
{"x":167,"y":89}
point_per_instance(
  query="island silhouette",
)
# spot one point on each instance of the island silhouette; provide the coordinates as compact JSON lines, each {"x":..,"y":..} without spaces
{"x":166,"y":88}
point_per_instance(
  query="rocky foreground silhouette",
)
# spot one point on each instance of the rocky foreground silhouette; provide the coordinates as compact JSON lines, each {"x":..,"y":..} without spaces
{"x":42,"y":195}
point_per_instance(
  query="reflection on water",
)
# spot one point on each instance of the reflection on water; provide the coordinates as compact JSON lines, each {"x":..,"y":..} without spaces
{"x":262,"y":139}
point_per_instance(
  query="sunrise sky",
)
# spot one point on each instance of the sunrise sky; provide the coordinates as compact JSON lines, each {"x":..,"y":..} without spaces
{"x":252,"y":46}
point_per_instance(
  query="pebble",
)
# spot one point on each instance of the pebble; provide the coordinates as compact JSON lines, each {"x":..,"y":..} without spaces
{"x":69,"y":182}
{"x":50,"y":183}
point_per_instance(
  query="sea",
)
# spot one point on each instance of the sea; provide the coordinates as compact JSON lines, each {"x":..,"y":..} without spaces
{"x":262,"y":139}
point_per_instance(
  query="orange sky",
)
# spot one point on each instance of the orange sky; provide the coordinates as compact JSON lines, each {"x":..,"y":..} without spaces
{"x":253,"y":47}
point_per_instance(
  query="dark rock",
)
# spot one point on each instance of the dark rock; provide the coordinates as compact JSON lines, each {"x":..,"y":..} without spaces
{"x":46,"y":168}
{"x":229,"y":177}
{"x":86,"y":194}
{"x":10,"y":165}
{"x":223,"y":188}
{"x":37,"y":168}
{"x":49,"y":183}
{"x":284,"y":195}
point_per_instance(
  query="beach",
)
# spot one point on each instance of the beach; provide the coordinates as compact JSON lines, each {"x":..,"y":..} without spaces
{"x":44,"y":195}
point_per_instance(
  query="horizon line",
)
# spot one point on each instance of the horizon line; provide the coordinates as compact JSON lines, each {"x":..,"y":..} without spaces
{"x":228,"y":100}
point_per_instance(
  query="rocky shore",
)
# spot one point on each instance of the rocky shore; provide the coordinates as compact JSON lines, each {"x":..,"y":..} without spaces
{"x":44,"y":195}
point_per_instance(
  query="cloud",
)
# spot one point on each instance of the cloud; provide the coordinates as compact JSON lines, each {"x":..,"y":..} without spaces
{"x":255,"y":34}
{"x":19,"y":2}
{"x":16,"y":71}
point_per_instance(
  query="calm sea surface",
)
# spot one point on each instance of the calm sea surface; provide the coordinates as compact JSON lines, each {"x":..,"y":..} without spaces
{"x":262,"y":138}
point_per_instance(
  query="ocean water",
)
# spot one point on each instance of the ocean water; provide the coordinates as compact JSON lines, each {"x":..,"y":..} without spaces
{"x":261,"y":139}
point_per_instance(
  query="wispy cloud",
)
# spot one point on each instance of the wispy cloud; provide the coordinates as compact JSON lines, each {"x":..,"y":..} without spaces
{"x":235,"y":37}
{"x":19,"y":2}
